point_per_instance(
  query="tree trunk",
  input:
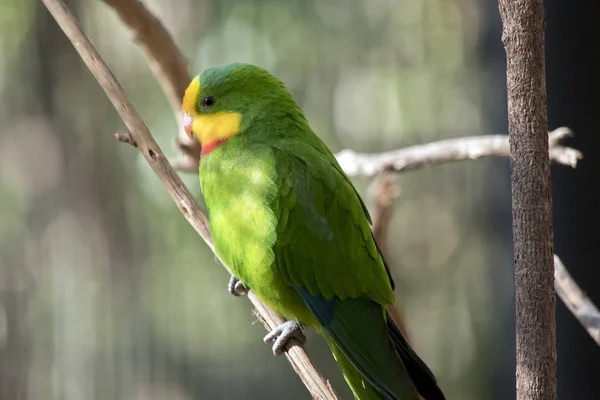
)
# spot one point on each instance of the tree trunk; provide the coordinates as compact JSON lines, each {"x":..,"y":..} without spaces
{"x":523,"y":38}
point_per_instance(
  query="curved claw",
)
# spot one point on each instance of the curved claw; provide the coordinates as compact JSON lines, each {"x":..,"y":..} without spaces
{"x":283,"y":333}
{"x":236,"y":288}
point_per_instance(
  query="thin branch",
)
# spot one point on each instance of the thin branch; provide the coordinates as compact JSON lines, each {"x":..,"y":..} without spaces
{"x":384,"y":191}
{"x":139,"y":133}
{"x":168,"y":64}
{"x":576,"y":300}
{"x":447,"y":151}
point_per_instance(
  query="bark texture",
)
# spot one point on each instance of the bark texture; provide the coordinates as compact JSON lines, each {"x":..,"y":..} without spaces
{"x":523,"y":38}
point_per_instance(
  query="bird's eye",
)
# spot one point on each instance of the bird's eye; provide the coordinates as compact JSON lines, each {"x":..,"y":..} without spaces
{"x":208,"y":102}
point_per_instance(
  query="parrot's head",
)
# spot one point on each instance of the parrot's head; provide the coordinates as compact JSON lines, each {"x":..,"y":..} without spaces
{"x":225,"y":101}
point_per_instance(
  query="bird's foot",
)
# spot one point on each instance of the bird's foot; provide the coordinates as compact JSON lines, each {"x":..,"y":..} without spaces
{"x":236,"y":287}
{"x":283,"y":333}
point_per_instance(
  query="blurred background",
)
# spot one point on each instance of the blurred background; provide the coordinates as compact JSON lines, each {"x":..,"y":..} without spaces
{"x":106,"y":292}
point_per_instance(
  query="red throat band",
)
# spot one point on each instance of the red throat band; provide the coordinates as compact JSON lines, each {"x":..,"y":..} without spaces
{"x":211,"y":146}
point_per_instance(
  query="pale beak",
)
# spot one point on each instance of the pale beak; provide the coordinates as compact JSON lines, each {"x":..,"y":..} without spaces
{"x":188,"y":120}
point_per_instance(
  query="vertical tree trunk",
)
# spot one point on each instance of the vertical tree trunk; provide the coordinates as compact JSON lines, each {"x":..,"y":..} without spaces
{"x":523,"y":38}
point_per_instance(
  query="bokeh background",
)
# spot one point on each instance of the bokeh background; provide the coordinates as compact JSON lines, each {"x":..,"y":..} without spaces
{"x":107,"y":293}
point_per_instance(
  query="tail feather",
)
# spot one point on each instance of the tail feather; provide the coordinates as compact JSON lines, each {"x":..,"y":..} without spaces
{"x":358,"y":329}
{"x":371,"y":350}
{"x":361,"y":388}
{"x":420,"y":374}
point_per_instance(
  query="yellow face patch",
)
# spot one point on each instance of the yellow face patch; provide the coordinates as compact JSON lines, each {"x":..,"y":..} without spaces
{"x":190,"y":97}
{"x":210,"y":128}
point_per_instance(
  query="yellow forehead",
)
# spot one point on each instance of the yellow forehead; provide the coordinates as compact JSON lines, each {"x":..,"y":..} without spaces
{"x":191,"y":96}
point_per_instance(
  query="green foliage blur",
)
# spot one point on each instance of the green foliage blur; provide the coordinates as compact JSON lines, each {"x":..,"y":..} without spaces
{"x":107,"y":293}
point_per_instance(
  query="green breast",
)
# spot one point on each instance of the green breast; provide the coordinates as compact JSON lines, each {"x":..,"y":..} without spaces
{"x":238,"y":186}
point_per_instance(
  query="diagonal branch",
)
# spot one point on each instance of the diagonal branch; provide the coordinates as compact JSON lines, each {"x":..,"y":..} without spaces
{"x":168,"y":64}
{"x":576,"y":300}
{"x":139,"y":134}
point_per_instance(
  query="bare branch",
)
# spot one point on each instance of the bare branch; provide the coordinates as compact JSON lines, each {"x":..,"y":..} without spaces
{"x":384,"y":191}
{"x":167,"y":63}
{"x":447,"y":151}
{"x":576,"y":300}
{"x":139,"y":133}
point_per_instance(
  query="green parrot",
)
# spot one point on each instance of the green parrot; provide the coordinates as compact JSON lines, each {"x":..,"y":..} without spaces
{"x":291,"y":226}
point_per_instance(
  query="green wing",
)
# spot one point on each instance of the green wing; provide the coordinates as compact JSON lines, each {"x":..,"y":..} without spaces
{"x":326,"y":251}
{"x":324,"y":241}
